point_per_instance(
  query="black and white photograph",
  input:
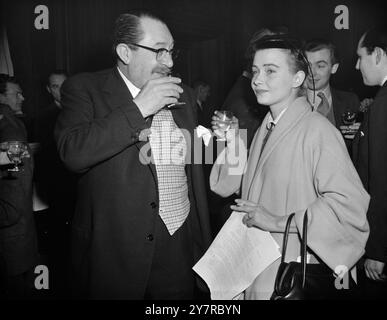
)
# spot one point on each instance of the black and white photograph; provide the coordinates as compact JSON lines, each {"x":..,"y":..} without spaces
{"x":198,"y":153}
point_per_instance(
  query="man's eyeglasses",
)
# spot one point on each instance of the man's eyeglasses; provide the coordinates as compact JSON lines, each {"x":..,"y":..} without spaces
{"x":160,"y":53}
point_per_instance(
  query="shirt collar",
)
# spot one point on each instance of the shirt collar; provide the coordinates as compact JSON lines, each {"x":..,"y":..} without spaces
{"x":384,"y":80}
{"x":275,"y":121}
{"x":132,"y":88}
{"x":327,"y":93}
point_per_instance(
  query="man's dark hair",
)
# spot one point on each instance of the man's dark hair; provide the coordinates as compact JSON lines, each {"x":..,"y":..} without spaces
{"x":375,"y":37}
{"x":319,"y":44}
{"x":57,"y":72}
{"x":200,"y":83}
{"x":4,"y":79}
{"x":128,"y":28}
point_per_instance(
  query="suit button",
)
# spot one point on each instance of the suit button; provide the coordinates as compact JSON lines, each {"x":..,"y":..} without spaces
{"x":153,"y":205}
{"x":149,"y":237}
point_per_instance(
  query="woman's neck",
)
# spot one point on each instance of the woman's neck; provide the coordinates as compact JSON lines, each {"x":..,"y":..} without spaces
{"x":277,"y":108}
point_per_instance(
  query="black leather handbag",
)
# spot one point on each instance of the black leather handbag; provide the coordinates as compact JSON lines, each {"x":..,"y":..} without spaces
{"x":302,"y":281}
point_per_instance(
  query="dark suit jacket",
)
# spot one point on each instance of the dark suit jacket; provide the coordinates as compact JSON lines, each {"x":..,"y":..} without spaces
{"x":18,"y":241}
{"x":370,"y":157}
{"x":59,"y":196}
{"x":97,"y":135}
{"x":204,"y":114}
{"x":342,"y":100}
{"x":242,"y":101}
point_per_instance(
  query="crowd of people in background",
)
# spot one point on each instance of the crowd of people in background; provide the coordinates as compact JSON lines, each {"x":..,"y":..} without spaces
{"x":112,"y":226}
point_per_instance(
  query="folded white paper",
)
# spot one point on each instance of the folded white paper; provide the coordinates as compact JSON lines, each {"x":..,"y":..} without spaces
{"x":235,"y":258}
{"x":204,"y":133}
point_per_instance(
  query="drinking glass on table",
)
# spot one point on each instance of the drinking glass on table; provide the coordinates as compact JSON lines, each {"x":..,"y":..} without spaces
{"x":224,"y":123}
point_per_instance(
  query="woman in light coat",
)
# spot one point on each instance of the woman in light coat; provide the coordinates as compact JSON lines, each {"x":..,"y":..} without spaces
{"x":303,"y":166}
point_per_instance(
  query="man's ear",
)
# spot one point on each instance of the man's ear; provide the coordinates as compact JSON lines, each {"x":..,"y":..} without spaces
{"x":334,"y":68}
{"x":124,"y":53}
{"x":378,"y":54}
{"x":48,"y":89}
{"x":298,"y":79}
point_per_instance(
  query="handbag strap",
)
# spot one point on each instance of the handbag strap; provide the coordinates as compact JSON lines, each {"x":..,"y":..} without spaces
{"x":285,"y":240}
{"x":304,"y":242}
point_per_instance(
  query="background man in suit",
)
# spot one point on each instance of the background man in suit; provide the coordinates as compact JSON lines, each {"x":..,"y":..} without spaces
{"x":202,"y":91}
{"x":18,"y":241}
{"x":56,"y":185}
{"x":139,"y":225}
{"x":370,"y":157}
{"x":329,"y":101}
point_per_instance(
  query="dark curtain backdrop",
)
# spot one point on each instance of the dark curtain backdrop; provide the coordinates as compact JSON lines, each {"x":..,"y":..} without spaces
{"x":212,"y":36}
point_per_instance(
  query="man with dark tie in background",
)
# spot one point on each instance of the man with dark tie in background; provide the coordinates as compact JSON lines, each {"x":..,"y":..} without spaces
{"x":330,"y":102}
{"x":140,"y":222}
{"x":370,"y":158}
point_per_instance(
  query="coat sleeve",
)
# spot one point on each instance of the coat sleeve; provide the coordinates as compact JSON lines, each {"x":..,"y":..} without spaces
{"x":337,"y":228}
{"x":228,"y":169}
{"x":84,"y":140}
{"x":9,"y":213}
{"x":377,"y":183}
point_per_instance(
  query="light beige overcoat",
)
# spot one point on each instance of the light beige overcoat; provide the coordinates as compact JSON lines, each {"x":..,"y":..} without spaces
{"x":304,"y":166}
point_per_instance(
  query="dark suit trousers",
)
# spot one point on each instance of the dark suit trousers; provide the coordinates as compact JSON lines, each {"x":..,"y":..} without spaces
{"x":371,"y":289}
{"x":171,"y":276}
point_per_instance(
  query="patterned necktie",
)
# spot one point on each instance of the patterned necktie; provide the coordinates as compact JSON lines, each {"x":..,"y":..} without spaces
{"x":167,"y":142}
{"x":323,"y":107}
{"x":271,"y":127}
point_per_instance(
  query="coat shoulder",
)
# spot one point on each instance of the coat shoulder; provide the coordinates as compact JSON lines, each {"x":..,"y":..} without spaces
{"x":345,"y":96}
{"x":88,"y":78}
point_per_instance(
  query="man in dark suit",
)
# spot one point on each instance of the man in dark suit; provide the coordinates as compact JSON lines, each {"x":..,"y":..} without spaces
{"x":202,"y":92}
{"x":141,"y":219}
{"x":57,"y":186}
{"x":370,"y":157}
{"x":18,"y":241}
{"x":329,"y":101}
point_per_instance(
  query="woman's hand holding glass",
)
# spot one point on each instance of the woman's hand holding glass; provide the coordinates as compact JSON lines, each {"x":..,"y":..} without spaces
{"x":225,"y":125}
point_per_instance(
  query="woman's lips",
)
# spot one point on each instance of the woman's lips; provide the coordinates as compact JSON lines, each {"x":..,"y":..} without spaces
{"x":260,"y":91}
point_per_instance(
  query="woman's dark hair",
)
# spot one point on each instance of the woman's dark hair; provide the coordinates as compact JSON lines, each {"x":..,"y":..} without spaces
{"x":299,"y":61}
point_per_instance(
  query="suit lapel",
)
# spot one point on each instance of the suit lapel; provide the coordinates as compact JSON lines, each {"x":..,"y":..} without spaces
{"x":338,"y":107}
{"x":117,"y":95}
{"x":253,"y":158}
